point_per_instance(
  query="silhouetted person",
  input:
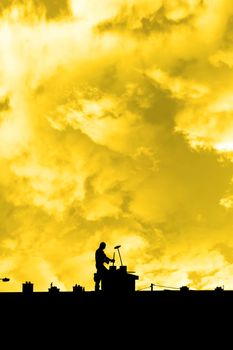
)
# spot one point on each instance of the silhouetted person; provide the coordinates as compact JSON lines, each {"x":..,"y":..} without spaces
{"x":101,"y":270}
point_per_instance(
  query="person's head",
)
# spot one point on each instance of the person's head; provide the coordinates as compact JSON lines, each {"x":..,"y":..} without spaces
{"x":102,"y":245}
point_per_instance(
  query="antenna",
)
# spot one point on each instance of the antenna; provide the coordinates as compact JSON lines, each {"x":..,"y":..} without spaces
{"x":5,"y":279}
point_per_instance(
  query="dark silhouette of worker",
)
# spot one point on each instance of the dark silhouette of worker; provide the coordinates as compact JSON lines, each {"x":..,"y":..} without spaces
{"x":101,"y":270}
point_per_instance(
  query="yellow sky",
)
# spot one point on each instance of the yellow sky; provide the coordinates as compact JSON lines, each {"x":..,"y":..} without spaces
{"x":116,"y":125}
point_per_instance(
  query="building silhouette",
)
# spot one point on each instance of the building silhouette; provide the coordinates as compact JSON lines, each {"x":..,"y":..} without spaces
{"x":118,"y":296}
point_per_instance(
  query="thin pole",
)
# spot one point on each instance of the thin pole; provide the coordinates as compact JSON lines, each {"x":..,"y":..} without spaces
{"x":120,"y":256}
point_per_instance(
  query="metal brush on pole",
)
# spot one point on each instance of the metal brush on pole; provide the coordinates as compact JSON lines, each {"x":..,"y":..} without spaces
{"x":118,"y":249}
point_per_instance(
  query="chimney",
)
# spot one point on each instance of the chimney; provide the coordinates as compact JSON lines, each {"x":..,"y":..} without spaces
{"x":27,"y":287}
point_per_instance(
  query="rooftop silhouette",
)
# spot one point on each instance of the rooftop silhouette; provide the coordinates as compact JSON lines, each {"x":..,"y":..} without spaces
{"x":117,"y":290}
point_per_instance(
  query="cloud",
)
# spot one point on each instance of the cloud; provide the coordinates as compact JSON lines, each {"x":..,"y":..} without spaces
{"x":115,"y":125}
{"x":226,"y":251}
{"x":50,"y":10}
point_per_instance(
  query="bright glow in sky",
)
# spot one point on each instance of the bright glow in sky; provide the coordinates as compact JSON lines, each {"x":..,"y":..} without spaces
{"x":116,"y":125}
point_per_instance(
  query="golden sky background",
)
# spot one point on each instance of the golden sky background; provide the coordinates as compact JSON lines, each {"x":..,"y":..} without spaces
{"x":116,"y":125}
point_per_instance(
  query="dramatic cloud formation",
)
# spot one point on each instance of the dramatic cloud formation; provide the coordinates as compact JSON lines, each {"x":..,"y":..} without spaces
{"x":116,"y":125}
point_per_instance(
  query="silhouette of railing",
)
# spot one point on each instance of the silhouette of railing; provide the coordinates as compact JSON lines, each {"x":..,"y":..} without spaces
{"x":152,"y":285}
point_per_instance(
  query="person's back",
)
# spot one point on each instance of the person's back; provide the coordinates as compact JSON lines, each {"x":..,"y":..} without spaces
{"x":100,"y":256}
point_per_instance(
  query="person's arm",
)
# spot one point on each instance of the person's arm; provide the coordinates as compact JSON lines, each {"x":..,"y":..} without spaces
{"x":107,"y":259}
